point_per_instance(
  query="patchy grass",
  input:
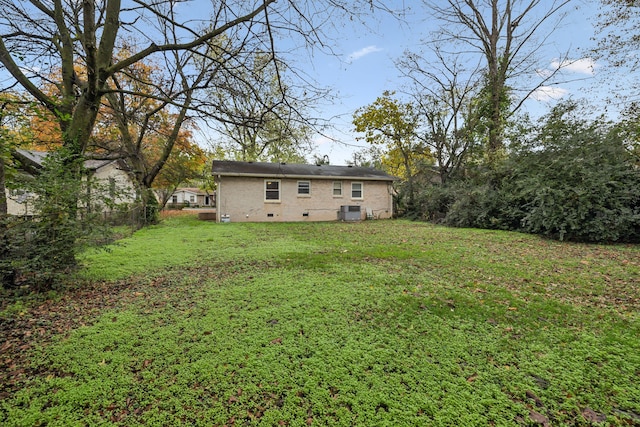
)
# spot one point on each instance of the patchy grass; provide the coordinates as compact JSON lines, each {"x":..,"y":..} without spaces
{"x":373,"y":323}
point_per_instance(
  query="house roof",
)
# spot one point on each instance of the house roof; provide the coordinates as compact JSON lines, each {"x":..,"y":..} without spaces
{"x":285,"y":170}
{"x":36,"y":158}
{"x":192,"y":190}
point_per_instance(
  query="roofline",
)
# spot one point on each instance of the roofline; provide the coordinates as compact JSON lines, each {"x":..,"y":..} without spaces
{"x":288,"y":176}
{"x":36,"y":165}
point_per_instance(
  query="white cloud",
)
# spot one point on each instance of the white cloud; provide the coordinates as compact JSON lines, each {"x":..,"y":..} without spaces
{"x":581,"y":66}
{"x":363,"y":52}
{"x":544,"y":73}
{"x":547,"y":93}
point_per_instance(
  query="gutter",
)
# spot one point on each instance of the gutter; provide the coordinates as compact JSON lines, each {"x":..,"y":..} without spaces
{"x":325,"y":177}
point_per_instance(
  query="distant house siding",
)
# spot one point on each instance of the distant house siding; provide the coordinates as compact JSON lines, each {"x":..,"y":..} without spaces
{"x":125,"y":191}
{"x":243,"y":199}
{"x":19,"y":203}
{"x":191,"y":197}
{"x":110,"y":175}
{"x":186,"y":197}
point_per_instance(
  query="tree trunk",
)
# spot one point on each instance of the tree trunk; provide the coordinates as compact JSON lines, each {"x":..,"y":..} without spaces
{"x":3,"y":193}
{"x":150,"y":208}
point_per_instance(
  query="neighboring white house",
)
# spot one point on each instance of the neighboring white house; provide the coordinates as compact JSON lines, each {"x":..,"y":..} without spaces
{"x":191,"y":197}
{"x":109,"y":174}
{"x":259,"y":192}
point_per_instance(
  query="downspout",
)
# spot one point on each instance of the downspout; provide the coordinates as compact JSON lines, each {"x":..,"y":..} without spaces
{"x":218,"y":199}
{"x":390,"y":198}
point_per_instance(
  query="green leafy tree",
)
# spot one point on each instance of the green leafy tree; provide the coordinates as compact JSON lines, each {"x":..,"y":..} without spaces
{"x":393,"y":125}
{"x":568,"y":178}
{"x":628,"y":129}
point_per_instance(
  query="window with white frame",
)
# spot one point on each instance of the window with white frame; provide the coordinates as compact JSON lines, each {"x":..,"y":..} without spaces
{"x":356,"y":190}
{"x":304,"y":188}
{"x":272,"y":190}
{"x":337,"y":188}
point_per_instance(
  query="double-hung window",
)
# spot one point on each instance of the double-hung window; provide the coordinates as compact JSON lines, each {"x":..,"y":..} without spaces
{"x":337,"y":188}
{"x":356,"y":190}
{"x":272,"y":190}
{"x":304,"y":188}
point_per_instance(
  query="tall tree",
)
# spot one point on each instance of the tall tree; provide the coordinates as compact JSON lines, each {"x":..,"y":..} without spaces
{"x":507,"y":34}
{"x":38,"y":38}
{"x":149,"y":105}
{"x":259,"y":117}
{"x":576,"y":179}
{"x":618,"y":43}
{"x":446,"y":95}
{"x":393,"y":124}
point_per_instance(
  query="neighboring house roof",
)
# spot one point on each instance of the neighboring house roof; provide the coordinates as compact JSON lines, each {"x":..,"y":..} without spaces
{"x":36,"y":158}
{"x":191,"y":190}
{"x":285,"y":170}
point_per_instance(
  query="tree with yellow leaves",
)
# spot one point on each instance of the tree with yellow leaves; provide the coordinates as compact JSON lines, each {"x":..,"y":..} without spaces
{"x":393,"y":124}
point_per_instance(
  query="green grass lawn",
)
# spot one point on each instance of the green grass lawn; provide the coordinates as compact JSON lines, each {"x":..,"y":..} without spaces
{"x":379,"y":323}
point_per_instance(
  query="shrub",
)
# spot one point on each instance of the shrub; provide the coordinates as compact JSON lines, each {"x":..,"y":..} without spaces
{"x":578,"y":180}
{"x":570,"y":180}
{"x":587,"y":190}
{"x":41,"y":249}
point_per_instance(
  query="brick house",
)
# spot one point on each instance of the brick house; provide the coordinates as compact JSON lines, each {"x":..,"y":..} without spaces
{"x":278,"y":192}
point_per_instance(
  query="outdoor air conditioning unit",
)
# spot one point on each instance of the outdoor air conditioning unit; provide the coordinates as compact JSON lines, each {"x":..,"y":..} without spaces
{"x":349,"y":213}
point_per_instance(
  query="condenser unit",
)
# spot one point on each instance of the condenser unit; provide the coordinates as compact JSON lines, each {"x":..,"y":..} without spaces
{"x":349,"y":213}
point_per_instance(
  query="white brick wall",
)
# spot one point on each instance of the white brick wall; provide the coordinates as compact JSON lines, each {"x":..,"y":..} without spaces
{"x":243,"y":199}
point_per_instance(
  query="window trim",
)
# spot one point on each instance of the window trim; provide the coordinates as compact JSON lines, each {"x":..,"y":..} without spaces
{"x":361,"y":190}
{"x":279,"y":190}
{"x":308,"y":193}
{"x":333,"y":189}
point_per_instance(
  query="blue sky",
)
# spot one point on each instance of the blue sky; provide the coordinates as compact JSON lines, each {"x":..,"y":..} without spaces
{"x":362,"y":65}
{"x":364,"y":68}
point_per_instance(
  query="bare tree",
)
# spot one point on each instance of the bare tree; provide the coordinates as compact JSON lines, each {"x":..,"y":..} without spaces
{"x":71,"y":43}
{"x":258,"y":115}
{"x":618,"y":43}
{"x":444,"y":92}
{"x":75,"y":41}
{"x":507,"y":34}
